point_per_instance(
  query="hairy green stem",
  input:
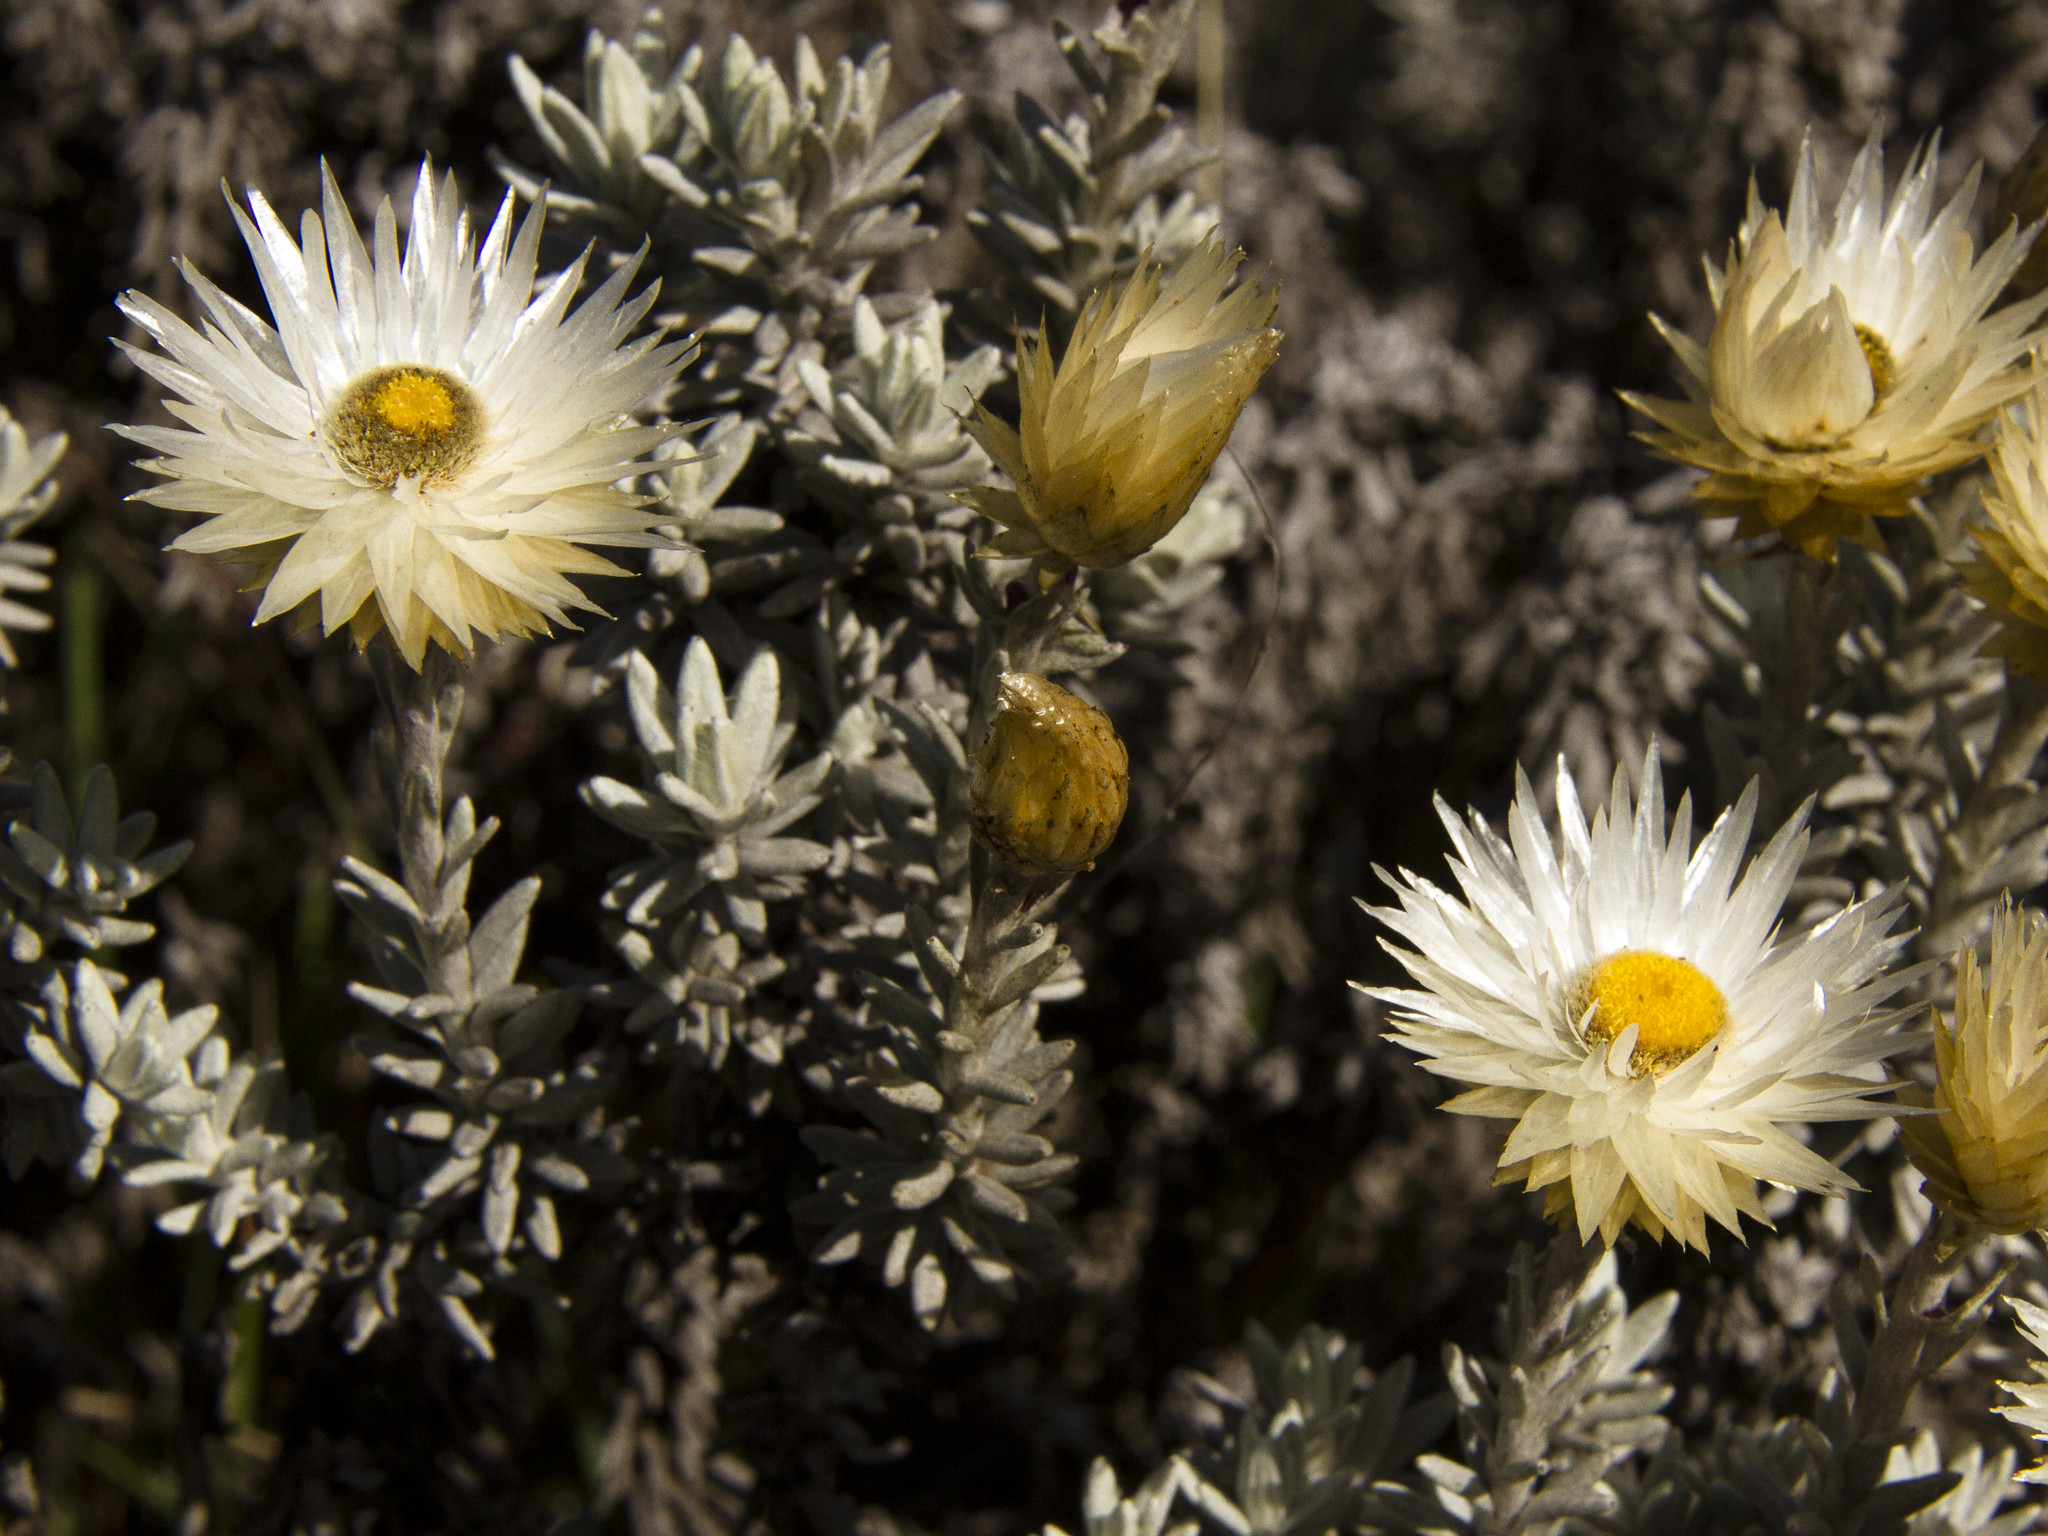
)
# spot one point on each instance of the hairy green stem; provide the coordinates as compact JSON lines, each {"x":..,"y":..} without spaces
{"x":1814,"y":621}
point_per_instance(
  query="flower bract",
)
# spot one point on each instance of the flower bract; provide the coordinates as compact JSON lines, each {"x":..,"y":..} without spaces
{"x":422,"y":443}
{"x":1851,"y":357}
{"x":2031,"y":1411}
{"x":1633,"y":1008}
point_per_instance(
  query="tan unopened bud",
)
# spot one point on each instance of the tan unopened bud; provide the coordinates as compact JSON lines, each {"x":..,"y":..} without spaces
{"x":1113,"y":442}
{"x":1051,"y":778}
{"x":1984,"y":1150}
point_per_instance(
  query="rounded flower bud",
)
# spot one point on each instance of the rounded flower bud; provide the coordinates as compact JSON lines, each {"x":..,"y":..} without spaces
{"x":1051,"y":778}
{"x":1984,"y":1149}
{"x":1113,"y":442}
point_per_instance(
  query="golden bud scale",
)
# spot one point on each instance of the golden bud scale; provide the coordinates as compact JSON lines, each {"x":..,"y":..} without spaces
{"x":1051,"y":778}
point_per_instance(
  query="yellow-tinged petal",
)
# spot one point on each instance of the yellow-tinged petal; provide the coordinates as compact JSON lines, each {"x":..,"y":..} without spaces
{"x":2011,"y":576}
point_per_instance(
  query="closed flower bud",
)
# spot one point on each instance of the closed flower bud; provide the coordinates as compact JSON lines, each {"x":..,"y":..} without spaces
{"x":1051,"y":778}
{"x":1115,"y":440}
{"x":1984,"y":1149}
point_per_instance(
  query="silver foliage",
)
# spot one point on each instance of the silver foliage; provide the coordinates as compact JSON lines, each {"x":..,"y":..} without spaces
{"x":1542,"y":1428}
{"x":1314,"y":1438}
{"x":779,"y":195}
{"x":1075,"y":200}
{"x":26,"y":495}
{"x":952,"y":1184}
{"x":692,"y":921}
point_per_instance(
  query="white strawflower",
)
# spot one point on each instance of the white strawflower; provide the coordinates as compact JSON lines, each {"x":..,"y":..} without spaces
{"x":1850,"y":359}
{"x":2031,"y":1411}
{"x":421,"y":444}
{"x":1630,"y":1005}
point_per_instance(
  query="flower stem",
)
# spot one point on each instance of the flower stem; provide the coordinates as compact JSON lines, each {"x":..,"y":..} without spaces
{"x":421,"y":710}
{"x":83,"y":593}
{"x":1908,"y":1316}
{"x":1539,"y":1316}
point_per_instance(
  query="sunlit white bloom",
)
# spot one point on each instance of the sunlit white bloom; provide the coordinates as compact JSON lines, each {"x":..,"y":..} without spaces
{"x":1851,"y":358}
{"x":1632,"y":1007}
{"x":1983,"y":1482}
{"x":1984,"y":1151}
{"x":421,"y":444}
{"x":2031,"y":1411}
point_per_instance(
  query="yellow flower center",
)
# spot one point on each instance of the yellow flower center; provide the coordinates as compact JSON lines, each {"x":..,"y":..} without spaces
{"x":406,"y":423}
{"x":1674,"y":1007}
{"x":1883,"y":368}
{"x":417,"y":403}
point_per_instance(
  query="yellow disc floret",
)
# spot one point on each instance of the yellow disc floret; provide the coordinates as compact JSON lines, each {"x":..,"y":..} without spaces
{"x":1883,"y":367}
{"x":406,"y":423}
{"x":414,"y":402}
{"x":1674,"y":1007}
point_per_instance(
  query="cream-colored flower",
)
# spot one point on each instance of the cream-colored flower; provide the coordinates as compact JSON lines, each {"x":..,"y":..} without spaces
{"x":1630,"y":1005}
{"x":1850,"y":359}
{"x":2010,"y":574}
{"x":2031,"y":1411}
{"x":1115,"y":440}
{"x":420,"y":444}
{"x":1984,"y":1151}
